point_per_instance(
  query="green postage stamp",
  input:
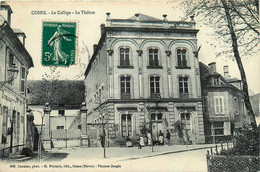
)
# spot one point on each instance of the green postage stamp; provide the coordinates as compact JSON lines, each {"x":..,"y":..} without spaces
{"x":59,"y":43}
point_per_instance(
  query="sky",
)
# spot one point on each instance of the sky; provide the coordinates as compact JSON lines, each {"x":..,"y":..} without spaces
{"x":89,"y":33}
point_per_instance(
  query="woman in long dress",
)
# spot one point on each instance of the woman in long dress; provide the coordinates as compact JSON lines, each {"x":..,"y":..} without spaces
{"x":55,"y":41}
{"x":161,"y":138}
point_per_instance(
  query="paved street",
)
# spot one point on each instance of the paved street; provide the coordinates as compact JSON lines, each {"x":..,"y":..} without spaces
{"x":163,"y":158}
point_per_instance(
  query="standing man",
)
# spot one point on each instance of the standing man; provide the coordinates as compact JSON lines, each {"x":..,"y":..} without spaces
{"x":168,"y":136}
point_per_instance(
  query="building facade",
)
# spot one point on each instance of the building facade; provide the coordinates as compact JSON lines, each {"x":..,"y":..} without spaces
{"x":15,"y":62}
{"x":223,"y":104}
{"x":61,"y":123}
{"x":145,"y":70}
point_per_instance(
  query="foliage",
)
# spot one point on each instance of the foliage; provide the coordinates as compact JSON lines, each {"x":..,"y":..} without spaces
{"x":56,"y":92}
{"x":235,"y":24}
{"x":245,"y":20}
{"x":246,"y":142}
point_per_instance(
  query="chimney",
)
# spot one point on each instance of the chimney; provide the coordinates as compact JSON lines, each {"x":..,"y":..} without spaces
{"x":95,"y":47}
{"x":212,"y":67}
{"x":226,"y":72}
{"x":21,"y":35}
{"x":6,"y":12}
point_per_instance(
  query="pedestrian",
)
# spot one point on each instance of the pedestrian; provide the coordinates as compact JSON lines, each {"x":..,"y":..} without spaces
{"x":139,"y":142}
{"x":161,"y":138}
{"x":168,"y":136}
{"x":149,"y":139}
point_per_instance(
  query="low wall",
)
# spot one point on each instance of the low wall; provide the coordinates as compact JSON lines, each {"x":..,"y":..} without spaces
{"x":66,"y":138}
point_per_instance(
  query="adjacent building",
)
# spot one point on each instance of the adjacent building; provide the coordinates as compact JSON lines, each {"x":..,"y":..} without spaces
{"x":15,"y":63}
{"x":223,"y":103}
{"x":61,"y":125}
{"x":145,"y":70}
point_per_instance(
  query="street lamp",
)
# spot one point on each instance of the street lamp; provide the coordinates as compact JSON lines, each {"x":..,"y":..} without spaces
{"x":12,"y":71}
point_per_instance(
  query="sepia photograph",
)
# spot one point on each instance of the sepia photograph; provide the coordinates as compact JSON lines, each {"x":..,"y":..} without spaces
{"x":127,"y":85}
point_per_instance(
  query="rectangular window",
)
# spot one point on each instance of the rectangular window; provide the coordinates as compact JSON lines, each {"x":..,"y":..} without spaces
{"x":60,"y":127}
{"x":5,"y":121}
{"x":244,"y":108}
{"x":61,"y":112}
{"x":155,"y":86}
{"x":11,"y":64}
{"x":124,"y":57}
{"x":181,"y":55}
{"x":23,"y":79}
{"x":205,"y":104}
{"x":183,"y":87}
{"x":125,"y":87}
{"x":155,"y":116}
{"x":79,"y":127}
{"x":218,"y":128}
{"x":219,"y":104}
{"x":11,"y":59}
{"x":153,"y":57}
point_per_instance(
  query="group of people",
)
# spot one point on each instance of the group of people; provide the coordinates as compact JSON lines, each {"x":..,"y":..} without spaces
{"x":147,"y":139}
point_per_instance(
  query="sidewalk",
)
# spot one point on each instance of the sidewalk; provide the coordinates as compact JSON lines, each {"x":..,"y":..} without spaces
{"x":121,"y":153}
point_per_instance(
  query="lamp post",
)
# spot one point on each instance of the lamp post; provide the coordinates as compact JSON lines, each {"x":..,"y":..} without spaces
{"x":13,"y":71}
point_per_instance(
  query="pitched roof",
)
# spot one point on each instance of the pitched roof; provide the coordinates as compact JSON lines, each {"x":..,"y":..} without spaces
{"x":255,"y":102}
{"x":205,"y":73}
{"x":56,"y":92}
{"x":143,"y":17}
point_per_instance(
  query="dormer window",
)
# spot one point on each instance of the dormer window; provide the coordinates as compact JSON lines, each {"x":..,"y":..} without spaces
{"x":216,"y":81}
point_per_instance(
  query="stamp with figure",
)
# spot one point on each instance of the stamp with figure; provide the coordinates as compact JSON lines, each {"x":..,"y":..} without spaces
{"x":59,"y":43}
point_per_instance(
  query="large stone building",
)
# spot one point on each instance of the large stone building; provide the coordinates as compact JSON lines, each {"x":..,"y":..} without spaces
{"x":223,"y":104}
{"x":145,"y":69}
{"x":15,"y":62}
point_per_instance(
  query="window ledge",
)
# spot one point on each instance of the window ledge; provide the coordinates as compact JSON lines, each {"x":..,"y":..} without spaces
{"x":183,"y":67}
{"x":154,"y":67}
{"x":125,"y":67}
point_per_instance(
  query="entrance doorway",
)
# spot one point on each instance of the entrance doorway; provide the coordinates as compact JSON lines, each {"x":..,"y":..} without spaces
{"x":157,"y":125}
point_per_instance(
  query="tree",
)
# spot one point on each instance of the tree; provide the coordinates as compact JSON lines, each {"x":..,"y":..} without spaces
{"x":235,"y":23}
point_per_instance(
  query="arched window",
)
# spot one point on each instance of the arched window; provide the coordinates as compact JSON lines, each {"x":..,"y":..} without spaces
{"x":155,"y":86}
{"x":154,"y":57}
{"x":186,"y":121}
{"x":125,"y":86}
{"x":183,"y":87}
{"x":124,"y":57}
{"x":182,"y":57}
{"x":126,"y":125}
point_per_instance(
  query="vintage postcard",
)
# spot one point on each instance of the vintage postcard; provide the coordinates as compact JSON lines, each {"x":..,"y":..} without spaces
{"x":167,"y":85}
